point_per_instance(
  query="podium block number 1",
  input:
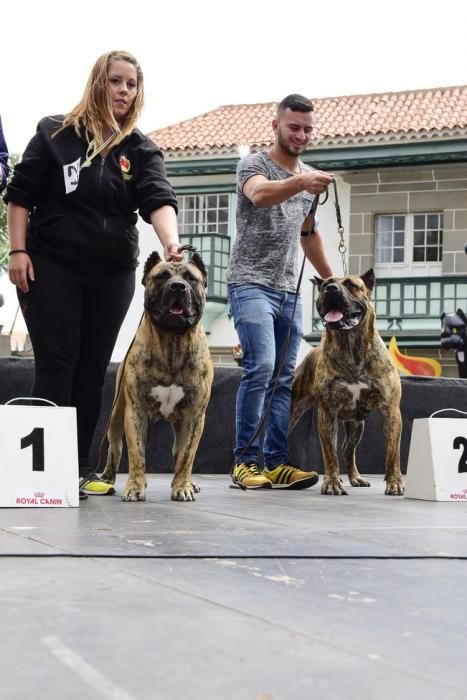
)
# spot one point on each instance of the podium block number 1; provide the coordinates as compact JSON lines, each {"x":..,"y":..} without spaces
{"x":38,"y":456}
{"x":36,"y":440}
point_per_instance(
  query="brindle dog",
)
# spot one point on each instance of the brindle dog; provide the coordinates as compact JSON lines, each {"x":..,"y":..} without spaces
{"x":167,"y":374}
{"x":350,"y":374}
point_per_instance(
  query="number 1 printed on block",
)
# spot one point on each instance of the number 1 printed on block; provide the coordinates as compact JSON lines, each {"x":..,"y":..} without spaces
{"x":36,"y":439}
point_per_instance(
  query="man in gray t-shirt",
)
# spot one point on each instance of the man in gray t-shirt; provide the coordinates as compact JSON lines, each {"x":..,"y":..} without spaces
{"x":275,"y":192}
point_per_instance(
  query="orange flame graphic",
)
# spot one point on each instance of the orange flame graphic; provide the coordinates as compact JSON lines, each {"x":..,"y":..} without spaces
{"x":413,"y":365}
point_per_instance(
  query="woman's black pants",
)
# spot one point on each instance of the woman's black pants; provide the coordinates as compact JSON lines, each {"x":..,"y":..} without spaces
{"x":73,"y":320}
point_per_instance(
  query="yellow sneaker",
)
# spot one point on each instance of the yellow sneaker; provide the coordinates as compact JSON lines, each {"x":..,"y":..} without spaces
{"x":286,"y":476}
{"x":249,"y":476}
{"x":94,"y":486}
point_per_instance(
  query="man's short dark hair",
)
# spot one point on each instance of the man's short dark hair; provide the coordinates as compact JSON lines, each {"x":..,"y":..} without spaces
{"x":297,"y":103}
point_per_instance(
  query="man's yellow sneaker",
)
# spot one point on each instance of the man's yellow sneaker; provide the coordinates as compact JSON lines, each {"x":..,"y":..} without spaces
{"x":249,"y":476}
{"x":94,"y":486}
{"x":287,"y":476}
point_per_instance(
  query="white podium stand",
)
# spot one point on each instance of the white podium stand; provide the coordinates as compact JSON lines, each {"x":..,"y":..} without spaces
{"x":38,"y":456}
{"x":437,"y":465}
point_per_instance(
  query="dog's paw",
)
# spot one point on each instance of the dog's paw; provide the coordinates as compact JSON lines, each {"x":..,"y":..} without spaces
{"x":394,"y":487}
{"x":134,"y":492}
{"x":185,"y":492}
{"x":358,"y":481}
{"x":333,"y":487}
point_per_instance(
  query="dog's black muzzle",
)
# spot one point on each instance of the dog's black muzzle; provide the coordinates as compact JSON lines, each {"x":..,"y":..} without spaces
{"x":175,"y":309}
{"x":337,"y":311}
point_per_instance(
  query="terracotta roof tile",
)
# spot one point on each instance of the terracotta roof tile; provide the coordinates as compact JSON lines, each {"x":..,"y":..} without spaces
{"x":337,"y":119}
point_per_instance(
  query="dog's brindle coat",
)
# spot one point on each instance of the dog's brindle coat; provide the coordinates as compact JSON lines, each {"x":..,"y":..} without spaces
{"x":167,"y":374}
{"x":350,"y":374}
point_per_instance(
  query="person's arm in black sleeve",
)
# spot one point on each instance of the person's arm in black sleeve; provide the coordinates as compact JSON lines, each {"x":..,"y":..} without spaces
{"x":4,"y":170}
{"x":22,"y":194}
{"x":29,"y":179}
{"x":153,"y":190}
{"x":156,"y":200}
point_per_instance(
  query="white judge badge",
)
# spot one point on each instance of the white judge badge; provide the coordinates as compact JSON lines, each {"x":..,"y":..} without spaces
{"x":71,"y":176}
{"x":39,"y":456}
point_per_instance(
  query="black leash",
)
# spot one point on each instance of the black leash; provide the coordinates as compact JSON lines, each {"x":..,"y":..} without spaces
{"x":342,"y":248}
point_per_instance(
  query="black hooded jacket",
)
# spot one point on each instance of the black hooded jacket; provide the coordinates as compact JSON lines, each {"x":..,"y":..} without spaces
{"x":86,"y":216}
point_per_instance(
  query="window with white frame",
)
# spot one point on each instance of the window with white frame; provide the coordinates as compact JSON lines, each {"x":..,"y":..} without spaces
{"x":203,"y":213}
{"x":390,"y":238}
{"x":413,"y":242}
{"x":427,"y":237}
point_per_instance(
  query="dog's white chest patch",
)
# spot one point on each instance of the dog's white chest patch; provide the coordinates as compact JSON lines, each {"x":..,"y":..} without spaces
{"x":355,"y":390}
{"x":168,"y":397}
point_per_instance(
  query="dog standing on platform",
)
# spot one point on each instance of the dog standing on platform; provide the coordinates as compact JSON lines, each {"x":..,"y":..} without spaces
{"x":167,"y":374}
{"x":349,"y":375}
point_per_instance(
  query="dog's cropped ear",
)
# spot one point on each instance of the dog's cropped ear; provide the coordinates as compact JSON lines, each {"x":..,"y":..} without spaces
{"x":198,"y":262}
{"x":369,"y":279}
{"x":318,"y":281}
{"x":153,"y":259}
{"x":462,"y":315}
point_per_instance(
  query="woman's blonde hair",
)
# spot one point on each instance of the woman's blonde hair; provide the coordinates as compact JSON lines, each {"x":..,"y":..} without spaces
{"x":94,"y":111}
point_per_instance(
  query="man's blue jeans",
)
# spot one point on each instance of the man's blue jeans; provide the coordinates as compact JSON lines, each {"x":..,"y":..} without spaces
{"x":262,"y":319}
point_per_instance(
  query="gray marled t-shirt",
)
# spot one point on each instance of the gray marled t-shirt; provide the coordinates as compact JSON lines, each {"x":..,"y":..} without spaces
{"x":265,"y":250}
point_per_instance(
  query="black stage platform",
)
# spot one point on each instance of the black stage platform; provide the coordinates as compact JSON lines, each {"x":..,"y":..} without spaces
{"x":261,"y":595}
{"x":421,"y":396}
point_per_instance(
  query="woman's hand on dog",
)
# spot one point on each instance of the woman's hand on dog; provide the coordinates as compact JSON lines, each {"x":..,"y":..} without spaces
{"x":172,"y":253}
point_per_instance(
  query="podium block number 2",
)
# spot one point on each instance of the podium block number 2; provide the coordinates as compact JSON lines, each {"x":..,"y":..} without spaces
{"x":36,"y":440}
{"x":461,"y":442}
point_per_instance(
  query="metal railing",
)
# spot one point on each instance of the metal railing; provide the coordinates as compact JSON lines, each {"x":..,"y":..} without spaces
{"x":214,"y":249}
{"x":411,"y":304}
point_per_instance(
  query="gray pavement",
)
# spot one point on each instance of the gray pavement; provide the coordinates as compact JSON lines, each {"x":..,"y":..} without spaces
{"x":265,"y":595}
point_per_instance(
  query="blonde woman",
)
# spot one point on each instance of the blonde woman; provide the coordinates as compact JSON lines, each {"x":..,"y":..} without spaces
{"x":72,"y":209}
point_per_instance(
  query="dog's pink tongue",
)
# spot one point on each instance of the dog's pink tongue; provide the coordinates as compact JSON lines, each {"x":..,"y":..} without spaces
{"x":176,"y":309}
{"x":333,"y":316}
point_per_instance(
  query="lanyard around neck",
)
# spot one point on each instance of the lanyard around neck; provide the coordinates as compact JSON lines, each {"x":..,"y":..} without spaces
{"x":92,"y":152}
